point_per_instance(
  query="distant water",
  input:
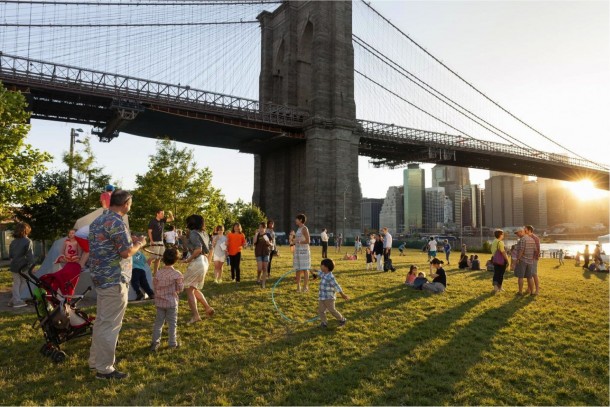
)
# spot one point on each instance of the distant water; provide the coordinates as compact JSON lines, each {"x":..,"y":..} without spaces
{"x":572,"y":246}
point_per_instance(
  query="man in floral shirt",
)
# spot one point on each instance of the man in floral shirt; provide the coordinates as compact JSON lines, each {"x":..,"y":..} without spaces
{"x":110,"y":251}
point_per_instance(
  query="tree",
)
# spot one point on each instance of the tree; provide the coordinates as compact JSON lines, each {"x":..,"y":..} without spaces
{"x":250,"y":218}
{"x":88,"y":180}
{"x":19,"y":162}
{"x":54,"y":217}
{"x":174,"y":182}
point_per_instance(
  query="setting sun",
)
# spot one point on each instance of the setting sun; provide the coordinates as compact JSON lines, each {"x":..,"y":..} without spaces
{"x":584,"y":190}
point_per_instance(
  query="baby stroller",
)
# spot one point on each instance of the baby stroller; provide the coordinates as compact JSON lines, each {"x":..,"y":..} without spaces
{"x":55,"y":303}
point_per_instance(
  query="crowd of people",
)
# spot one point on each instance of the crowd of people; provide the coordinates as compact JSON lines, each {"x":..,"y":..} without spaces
{"x":115,"y":261}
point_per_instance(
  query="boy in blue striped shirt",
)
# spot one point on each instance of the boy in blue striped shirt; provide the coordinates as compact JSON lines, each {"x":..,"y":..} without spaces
{"x":327,"y":294}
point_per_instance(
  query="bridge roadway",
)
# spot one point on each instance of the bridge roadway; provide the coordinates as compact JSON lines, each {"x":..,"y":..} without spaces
{"x":115,"y":103}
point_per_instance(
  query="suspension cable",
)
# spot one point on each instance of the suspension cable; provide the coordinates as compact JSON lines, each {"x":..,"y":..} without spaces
{"x":468,"y":83}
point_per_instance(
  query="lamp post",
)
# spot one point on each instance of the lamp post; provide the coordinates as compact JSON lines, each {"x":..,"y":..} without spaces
{"x":344,"y":218}
{"x":73,"y":135}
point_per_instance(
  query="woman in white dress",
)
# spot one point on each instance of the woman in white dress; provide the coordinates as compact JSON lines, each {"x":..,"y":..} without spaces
{"x":302,"y":256}
{"x":198,"y":261}
{"x":219,"y":248}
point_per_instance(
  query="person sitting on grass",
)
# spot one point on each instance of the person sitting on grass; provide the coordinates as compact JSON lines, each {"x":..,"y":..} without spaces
{"x":327,"y":293}
{"x":168,"y":283}
{"x":411,"y":276}
{"x":439,"y":283}
{"x":419,"y":281}
{"x":476,"y":264}
{"x":463,"y":263}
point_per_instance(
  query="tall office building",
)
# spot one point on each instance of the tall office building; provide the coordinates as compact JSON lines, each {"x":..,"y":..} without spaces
{"x":392,"y":211}
{"x":504,"y":201}
{"x":535,"y":204}
{"x":369,"y":213}
{"x":414,"y":183}
{"x":468,"y":206}
{"x":451,"y":178}
{"x":435,"y":209}
{"x":448,"y":210}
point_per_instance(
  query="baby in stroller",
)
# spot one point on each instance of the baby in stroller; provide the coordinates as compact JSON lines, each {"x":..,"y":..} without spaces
{"x":56,"y":308}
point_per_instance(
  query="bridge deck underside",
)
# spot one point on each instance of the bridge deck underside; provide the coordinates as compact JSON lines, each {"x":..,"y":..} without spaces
{"x":402,"y":152}
{"x":159,"y":121}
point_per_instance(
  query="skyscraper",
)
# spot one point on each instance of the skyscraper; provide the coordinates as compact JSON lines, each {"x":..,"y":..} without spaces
{"x":535,"y":204}
{"x":370,"y":209}
{"x":468,"y":212}
{"x":504,"y":201}
{"x":392,"y":213}
{"x":451,"y":178}
{"x":434,"y":209}
{"x":413,"y":183}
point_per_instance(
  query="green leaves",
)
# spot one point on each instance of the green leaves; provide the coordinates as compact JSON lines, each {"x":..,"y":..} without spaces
{"x":174,"y":182}
{"x":19,"y":162}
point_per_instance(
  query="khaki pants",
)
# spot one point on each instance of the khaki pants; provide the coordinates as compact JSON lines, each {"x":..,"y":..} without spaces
{"x":19,"y":283}
{"x":111,"y":306}
{"x":328,"y":305}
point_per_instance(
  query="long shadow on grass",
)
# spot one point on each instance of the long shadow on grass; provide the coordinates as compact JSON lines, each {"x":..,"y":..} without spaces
{"x":330,"y":388}
{"x":587,"y":274}
{"x":449,"y":364}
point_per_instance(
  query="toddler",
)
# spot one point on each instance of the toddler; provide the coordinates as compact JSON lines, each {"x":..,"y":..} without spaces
{"x":168,"y":282}
{"x":327,"y":294}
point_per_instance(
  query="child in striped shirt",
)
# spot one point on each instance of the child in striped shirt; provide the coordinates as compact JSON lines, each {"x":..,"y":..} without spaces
{"x":327,"y":294}
{"x":168,"y":283}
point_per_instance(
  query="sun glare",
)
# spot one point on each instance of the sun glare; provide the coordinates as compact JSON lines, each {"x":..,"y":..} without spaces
{"x":584,"y":190}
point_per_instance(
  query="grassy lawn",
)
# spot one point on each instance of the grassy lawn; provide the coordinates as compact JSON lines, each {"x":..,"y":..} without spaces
{"x":399,"y":347}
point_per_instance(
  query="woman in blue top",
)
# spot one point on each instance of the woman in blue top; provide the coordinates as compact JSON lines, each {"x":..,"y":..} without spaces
{"x":138,"y":274}
{"x":447,"y":250}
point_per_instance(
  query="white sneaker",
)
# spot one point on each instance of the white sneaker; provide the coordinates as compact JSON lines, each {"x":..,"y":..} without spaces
{"x":19,"y":304}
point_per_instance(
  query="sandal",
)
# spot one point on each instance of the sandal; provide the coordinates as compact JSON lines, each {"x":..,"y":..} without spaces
{"x":193,"y":321}
{"x":209,"y":312}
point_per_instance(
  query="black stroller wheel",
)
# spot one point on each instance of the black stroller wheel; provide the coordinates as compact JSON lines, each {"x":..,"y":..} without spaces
{"x":59,"y":356}
{"x":47,"y":349}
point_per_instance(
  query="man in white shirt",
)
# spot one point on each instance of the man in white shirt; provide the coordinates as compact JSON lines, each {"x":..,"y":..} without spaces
{"x":432,"y":248}
{"x":324,"y":239}
{"x":387,"y":245}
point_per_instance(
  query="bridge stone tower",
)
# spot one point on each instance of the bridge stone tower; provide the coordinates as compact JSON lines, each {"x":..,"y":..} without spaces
{"x":307,"y":62}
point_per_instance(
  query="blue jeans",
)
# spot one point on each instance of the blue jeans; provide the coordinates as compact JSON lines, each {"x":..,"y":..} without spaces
{"x":138,"y":279}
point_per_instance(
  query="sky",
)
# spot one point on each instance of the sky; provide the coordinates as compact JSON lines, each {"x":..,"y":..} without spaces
{"x":547,"y":62}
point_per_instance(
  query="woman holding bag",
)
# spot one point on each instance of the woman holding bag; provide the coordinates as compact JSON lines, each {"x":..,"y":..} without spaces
{"x":499,"y":259}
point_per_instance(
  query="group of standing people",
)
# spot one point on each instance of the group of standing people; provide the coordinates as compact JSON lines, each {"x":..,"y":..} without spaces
{"x":523,"y":260}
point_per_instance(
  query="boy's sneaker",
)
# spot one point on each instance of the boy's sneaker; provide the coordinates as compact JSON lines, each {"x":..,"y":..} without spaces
{"x":343,"y":322}
{"x":154,"y":346}
{"x":323,"y":325}
{"x":176,"y":346}
{"x":112,"y":375}
{"x":19,"y":304}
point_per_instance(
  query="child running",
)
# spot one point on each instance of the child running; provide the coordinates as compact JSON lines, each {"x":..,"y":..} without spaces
{"x":327,"y":294}
{"x":168,"y":282}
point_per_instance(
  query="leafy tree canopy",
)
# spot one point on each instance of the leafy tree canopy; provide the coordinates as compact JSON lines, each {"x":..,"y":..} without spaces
{"x":88,"y":180}
{"x":19,"y":162}
{"x":52,"y":218}
{"x":174,"y":182}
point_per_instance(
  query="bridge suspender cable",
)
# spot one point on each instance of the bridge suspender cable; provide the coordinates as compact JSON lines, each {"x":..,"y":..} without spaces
{"x":127,"y":24}
{"x":469,"y":84}
{"x":421,"y":84}
{"x":144,"y":3}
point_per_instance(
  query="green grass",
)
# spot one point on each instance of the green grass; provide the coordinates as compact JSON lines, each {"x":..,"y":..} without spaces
{"x":400,"y":346}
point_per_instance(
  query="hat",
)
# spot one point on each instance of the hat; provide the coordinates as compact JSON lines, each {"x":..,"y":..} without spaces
{"x":437,"y":261}
{"x":519,"y":229}
{"x":109,"y":187}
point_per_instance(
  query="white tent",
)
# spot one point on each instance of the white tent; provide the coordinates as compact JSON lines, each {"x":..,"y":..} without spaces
{"x":84,"y":281}
{"x":603,"y":239}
